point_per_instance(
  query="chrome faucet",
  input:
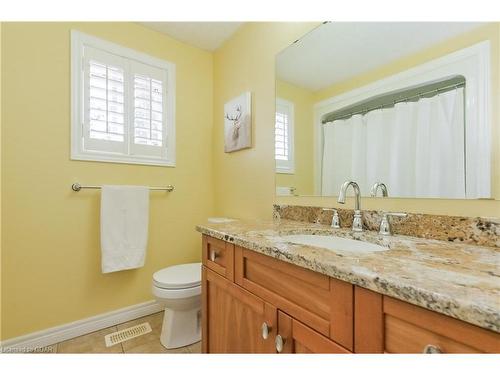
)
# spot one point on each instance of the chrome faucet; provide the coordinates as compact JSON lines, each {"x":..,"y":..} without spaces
{"x":357,"y":223}
{"x":375,"y":187}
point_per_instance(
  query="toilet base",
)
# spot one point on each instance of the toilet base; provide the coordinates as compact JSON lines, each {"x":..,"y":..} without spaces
{"x":180,"y":328}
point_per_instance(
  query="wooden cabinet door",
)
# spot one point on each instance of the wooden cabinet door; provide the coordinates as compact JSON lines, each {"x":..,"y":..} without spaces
{"x":232,"y":318}
{"x":295,"y":337}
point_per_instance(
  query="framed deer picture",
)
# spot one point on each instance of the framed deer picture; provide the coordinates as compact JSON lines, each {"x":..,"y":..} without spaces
{"x":238,"y":123}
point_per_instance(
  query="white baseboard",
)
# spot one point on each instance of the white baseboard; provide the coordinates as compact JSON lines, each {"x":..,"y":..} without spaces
{"x":68,"y":331}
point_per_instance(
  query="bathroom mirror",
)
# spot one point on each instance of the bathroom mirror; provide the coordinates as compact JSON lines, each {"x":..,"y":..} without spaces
{"x":405,"y":104}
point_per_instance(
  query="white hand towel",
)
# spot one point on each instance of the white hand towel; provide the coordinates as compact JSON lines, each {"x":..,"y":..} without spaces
{"x":124,"y":227}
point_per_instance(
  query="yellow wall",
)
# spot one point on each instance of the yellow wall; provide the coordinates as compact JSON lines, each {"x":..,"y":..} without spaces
{"x":244,"y":180}
{"x":0,"y":177}
{"x":303,"y":177}
{"x":50,"y":245}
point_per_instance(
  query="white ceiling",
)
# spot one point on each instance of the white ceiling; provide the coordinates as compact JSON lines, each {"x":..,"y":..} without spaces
{"x":336,"y":51}
{"x":206,"y":35}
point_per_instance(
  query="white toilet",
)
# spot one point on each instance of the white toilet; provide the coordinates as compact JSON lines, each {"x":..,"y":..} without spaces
{"x":179,"y":289}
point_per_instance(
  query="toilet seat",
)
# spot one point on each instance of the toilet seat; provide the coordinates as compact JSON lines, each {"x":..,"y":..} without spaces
{"x":176,"y":294}
{"x":183,"y":276}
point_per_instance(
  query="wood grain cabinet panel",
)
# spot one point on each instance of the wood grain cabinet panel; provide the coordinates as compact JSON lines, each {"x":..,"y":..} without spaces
{"x":385,"y":324}
{"x":232,"y":318}
{"x":322,"y":303}
{"x":218,"y":255}
{"x":298,"y":338}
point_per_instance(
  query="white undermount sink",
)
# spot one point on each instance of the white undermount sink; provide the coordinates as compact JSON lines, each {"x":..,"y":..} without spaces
{"x":333,"y":243}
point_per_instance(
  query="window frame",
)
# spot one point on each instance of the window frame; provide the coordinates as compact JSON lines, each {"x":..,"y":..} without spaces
{"x":79,"y":41}
{"x":286,"y":166}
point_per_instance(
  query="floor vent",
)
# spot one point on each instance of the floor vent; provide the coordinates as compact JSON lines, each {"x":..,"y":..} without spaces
{"x":127,"y":334}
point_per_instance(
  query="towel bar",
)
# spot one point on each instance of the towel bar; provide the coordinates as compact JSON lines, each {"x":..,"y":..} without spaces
{"x":77,"y":187}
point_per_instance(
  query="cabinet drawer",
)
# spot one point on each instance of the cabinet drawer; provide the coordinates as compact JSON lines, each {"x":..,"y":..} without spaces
{"x":322,"y":303}
{"x":385,"y":324}
{"x":218,"y":255}
{"x":409,"y":329}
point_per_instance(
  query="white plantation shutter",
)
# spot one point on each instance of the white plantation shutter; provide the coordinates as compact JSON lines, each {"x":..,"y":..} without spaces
{"x":123,"y":104}
{"x":148,"y":118}
{"x":149,"y":113}
{"x":106,"y":98}
{"x":105,"y":119}
{"x":283,"y":136}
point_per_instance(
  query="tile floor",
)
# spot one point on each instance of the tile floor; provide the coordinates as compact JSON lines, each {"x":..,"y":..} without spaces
{"x":148,"y":343}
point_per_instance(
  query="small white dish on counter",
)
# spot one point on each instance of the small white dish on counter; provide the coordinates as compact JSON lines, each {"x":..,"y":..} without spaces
{"x":218,"y":220}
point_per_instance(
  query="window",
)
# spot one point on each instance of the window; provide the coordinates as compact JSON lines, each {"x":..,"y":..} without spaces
{"x":122,"y":104}
{"x":283,"y":137}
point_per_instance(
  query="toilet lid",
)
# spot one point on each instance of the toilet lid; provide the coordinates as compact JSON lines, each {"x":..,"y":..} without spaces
{"x":181,"y":276}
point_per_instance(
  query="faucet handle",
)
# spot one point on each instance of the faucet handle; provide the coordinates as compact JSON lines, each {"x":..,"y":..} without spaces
{"x":335,"y":218}
{"x":385,"y":225}
{"x":357,"y":222}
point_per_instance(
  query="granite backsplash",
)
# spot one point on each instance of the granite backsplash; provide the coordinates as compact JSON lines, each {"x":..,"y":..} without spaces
{"x":470,"y":230}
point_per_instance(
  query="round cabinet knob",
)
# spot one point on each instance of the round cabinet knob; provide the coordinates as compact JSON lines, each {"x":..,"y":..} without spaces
{"x":280,"y":342}
{"x":432,"y":349}
{"x":214,"y":255}
{"x":265,"y":331}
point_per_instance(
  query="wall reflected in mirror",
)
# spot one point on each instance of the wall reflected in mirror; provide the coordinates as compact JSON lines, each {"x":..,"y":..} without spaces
{"x":409,"y":105}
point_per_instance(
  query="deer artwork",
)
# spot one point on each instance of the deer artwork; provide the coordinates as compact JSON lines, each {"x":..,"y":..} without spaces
{"x":236,"y":120}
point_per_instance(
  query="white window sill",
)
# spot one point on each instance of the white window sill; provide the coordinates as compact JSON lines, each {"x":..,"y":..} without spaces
{"x":285,"y":170}
{"x":137,"y":160}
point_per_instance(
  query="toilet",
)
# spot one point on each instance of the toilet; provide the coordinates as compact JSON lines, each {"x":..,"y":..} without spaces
{"x":178,"y":288}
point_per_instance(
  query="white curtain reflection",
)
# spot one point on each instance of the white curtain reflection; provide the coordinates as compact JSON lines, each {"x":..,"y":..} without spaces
{"x":416,"y":148}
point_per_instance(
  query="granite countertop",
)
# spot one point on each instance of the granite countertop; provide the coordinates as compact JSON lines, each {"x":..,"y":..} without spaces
{"x":458,"y":280}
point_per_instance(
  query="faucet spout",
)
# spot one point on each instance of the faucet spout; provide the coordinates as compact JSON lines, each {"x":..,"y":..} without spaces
{"x":382,"y":187}
{"x":357,"y":194}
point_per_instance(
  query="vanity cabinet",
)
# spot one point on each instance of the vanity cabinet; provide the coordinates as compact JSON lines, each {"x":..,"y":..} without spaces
{"x":387,"y":325}
{"x":253,"y":303}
